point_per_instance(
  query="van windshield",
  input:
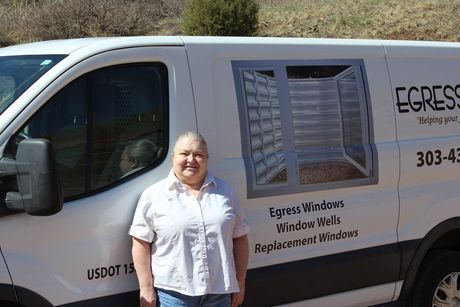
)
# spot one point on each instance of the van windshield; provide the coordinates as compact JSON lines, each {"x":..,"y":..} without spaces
{"x":18,"y":73}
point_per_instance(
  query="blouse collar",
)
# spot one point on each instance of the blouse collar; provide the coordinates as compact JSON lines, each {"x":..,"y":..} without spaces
{"x":172,"y":182}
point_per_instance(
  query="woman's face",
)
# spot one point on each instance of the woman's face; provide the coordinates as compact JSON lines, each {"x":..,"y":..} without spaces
{"x":126,"y":163}
{"x":190,"y":161}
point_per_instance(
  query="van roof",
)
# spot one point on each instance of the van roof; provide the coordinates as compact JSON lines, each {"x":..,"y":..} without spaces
{"x":67,"y":46}
{"x":101,"y":44}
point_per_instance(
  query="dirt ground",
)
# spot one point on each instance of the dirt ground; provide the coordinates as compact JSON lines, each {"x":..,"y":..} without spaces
{"x":324,"y":172}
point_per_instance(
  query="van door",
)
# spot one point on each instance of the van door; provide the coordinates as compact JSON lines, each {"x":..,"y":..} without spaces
{"x":427,"y":99}
{"x":426,"y":89}
{"x":110,"y":119}
{"x":306,"y":135}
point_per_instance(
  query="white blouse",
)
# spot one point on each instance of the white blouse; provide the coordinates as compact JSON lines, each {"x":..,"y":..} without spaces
{"x":192,"y":238}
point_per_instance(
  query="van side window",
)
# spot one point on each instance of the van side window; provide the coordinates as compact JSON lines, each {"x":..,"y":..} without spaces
{"x":304,"y":126}
{"x":105,"y":126}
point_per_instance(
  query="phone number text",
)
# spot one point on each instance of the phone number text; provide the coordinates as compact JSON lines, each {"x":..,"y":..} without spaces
{"x":438,"y":157}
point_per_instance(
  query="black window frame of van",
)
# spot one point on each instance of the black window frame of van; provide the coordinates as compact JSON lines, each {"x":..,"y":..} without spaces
{"x":162,"y":69}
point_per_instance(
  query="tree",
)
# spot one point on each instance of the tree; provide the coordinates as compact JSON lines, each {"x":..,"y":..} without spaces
{"x":220,"y":17}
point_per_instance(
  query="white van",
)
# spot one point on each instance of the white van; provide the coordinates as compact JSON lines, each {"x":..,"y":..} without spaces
{"x":345,"y":155}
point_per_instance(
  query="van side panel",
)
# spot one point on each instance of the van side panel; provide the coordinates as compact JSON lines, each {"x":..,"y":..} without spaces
{"x":426,"y":90}
{"x":370,"y":211}
{"x":426,"y":97}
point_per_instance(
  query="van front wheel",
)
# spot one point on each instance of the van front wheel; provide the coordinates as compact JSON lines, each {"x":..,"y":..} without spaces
{"x":438,"y":283}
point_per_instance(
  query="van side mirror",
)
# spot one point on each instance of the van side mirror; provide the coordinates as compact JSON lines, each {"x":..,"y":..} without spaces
{"x":38,"y":186}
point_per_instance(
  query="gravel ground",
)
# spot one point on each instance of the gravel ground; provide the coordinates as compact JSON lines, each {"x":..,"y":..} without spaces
{"x":324,"y":172}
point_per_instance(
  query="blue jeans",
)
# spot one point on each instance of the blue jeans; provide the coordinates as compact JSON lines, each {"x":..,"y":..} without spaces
{"x":168,"y":298}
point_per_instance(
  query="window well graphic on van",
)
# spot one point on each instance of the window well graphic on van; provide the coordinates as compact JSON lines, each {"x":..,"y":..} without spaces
{"x":304,"y":126}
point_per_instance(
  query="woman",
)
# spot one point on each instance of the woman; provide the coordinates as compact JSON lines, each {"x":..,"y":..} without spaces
{"x":190,"y":245}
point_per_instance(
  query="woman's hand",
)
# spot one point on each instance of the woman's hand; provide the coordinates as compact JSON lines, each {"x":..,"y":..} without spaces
{"x":141,"y":259}
{"x":241,"y":254}
{"x":238,"y":297}
{"x":148,"y":298}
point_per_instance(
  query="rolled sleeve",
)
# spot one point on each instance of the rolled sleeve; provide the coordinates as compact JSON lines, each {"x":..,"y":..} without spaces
{"x":142,"y":225}
{"x":241,"y":225}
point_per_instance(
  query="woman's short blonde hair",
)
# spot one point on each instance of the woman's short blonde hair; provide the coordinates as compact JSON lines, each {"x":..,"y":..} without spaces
{"x":192,"y":135}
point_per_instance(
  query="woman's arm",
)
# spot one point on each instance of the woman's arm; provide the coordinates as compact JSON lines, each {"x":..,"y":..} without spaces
{"x":241,"y":255}
{"x":142,"y":264}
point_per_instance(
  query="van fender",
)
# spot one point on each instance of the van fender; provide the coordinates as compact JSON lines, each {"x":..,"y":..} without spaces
{"x":7,"y":294}
{"x":26,"y":297}
{"x":445,"y":235}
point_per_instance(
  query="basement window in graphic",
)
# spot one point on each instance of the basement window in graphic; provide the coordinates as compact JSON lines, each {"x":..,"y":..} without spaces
{"x":304,"y":126}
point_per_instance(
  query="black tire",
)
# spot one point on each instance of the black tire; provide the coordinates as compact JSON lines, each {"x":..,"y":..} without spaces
{"x":439,"y":270}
